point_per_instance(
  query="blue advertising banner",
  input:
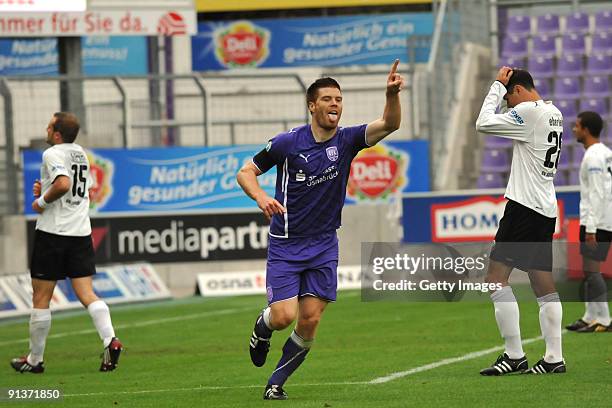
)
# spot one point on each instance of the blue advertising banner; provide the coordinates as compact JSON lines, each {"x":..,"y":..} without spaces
{"x":327,"y":41}
{"x":468,"y":216}
{"x":181,"y":179}
{"x":102,"y":55}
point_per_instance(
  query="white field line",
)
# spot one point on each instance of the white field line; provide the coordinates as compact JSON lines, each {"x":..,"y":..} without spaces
{"x":138,"y":324}
{"x":379,"y":380}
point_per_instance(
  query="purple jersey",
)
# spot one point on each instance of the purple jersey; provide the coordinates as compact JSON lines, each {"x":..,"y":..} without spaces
{"x":311,"y":179}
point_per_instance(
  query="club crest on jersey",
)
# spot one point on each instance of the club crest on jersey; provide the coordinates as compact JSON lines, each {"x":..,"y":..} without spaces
{"x":332,"y":153}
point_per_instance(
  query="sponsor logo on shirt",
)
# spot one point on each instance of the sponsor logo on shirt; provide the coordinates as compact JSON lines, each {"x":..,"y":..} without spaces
{"x":376,"y":172}
{"x":269,"y":146}
{"x":595,"y":170}
{"x":305,"y":157}
{"x":300,"y":176}
{"x":516,"y":117}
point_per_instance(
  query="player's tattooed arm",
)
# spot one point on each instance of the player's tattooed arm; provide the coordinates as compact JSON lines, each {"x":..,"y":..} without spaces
{"x":247,"y":179}
{"x":61,"y":185}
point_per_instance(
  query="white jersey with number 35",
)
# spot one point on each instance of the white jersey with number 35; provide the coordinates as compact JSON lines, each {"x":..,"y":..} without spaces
{"x":536,"y":129}
{"x":68,"y":215}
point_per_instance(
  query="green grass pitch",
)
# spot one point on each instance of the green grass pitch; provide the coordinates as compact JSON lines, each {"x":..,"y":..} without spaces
{"x":194,"y":353}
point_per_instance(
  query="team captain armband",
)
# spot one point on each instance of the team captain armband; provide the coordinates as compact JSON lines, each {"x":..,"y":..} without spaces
{"x":264,"y":160}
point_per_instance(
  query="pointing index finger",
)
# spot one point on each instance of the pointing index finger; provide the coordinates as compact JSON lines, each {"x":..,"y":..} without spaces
{"x":394,"y":67}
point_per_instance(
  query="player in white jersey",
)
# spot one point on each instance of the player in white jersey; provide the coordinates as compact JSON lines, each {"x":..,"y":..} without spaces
{"x":524,"y":236}
{"x":595,"y":221}
{"x":62,"y":243}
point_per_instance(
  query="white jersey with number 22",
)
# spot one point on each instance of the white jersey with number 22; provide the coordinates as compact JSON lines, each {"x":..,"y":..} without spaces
{"x":536,"y":130}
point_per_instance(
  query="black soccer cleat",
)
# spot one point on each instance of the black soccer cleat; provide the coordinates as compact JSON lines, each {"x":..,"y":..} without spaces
{"x":21,"y":365}
{"x":258,"y":346}
{"x":274,"y":392}
{"x":594,"y":328}
{"x":506,"y":365}
{"x":577,"y":325}
{"x":542,"y":367}
{"x":110,"y":356}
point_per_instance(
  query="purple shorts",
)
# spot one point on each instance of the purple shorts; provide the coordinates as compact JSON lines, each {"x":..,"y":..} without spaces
{"x":304,"y":266}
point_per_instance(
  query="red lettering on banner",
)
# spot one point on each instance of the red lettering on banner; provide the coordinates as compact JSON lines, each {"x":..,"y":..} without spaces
{"x":16,"y":25}
{"x":130,"y":24}
{"x":17,"y":2}
{"x":95,"y":23}
{"x":63,"y":23}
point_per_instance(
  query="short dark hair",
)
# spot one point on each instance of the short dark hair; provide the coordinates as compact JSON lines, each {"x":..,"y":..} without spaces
{"x":592,"y":121}
{"x":313,"y":89}
{"x":520,"y":77}
{"x":67,"y":125}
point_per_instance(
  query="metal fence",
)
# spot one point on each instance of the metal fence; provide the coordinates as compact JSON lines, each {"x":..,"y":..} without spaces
{"x":182,"y":110}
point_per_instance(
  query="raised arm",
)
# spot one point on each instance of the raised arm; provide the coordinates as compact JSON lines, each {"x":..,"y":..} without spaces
{"x":392,"y":115}
{"x":509,"y":124}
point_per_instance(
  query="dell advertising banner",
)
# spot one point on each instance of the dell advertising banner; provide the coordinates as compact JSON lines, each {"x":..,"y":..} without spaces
{"x":299,"y":42}
{"x":187,"y":179}
{"x":102,"y":55}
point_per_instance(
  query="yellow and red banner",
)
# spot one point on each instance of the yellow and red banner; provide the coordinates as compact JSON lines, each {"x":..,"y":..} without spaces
{"x":210,"y":6}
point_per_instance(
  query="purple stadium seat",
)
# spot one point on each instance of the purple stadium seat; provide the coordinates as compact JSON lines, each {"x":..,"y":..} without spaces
{"x":567,"y":107}
{"x":602,"y":42}
{"x":495,"y":142}
{"x":603,"y":20}
{"x":490,"y":180}
{"x":570,"y":65}
{"x":541,"y":66}
{"x":568,"y":133}
{"x":514,"y":46}
{"x":548,"y":23}
{"x":567,"y":88}
{"x":596,"y":85}
{"x":543,"y":88}
{"x":607,"y":130}
{"x":574,"y":178}
{"x":595,"y":105}
{"x":577,"y":23}
{"x":519,"y":25}
{"x":544,"y":45}
{"x":599,"y":64}
{"x":561,"y":178}
{"x":511,"y":62}
{"x":495,"y":160}
{"x":564,"y":159}
{"x":573,"y":44}
{"x":577,"y":157}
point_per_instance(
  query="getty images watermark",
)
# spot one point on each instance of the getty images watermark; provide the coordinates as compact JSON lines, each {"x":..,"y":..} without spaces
{"x":454,"y":271}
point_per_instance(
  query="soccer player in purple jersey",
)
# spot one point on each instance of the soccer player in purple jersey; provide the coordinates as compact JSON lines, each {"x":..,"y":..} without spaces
{"x":313,"y":164}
